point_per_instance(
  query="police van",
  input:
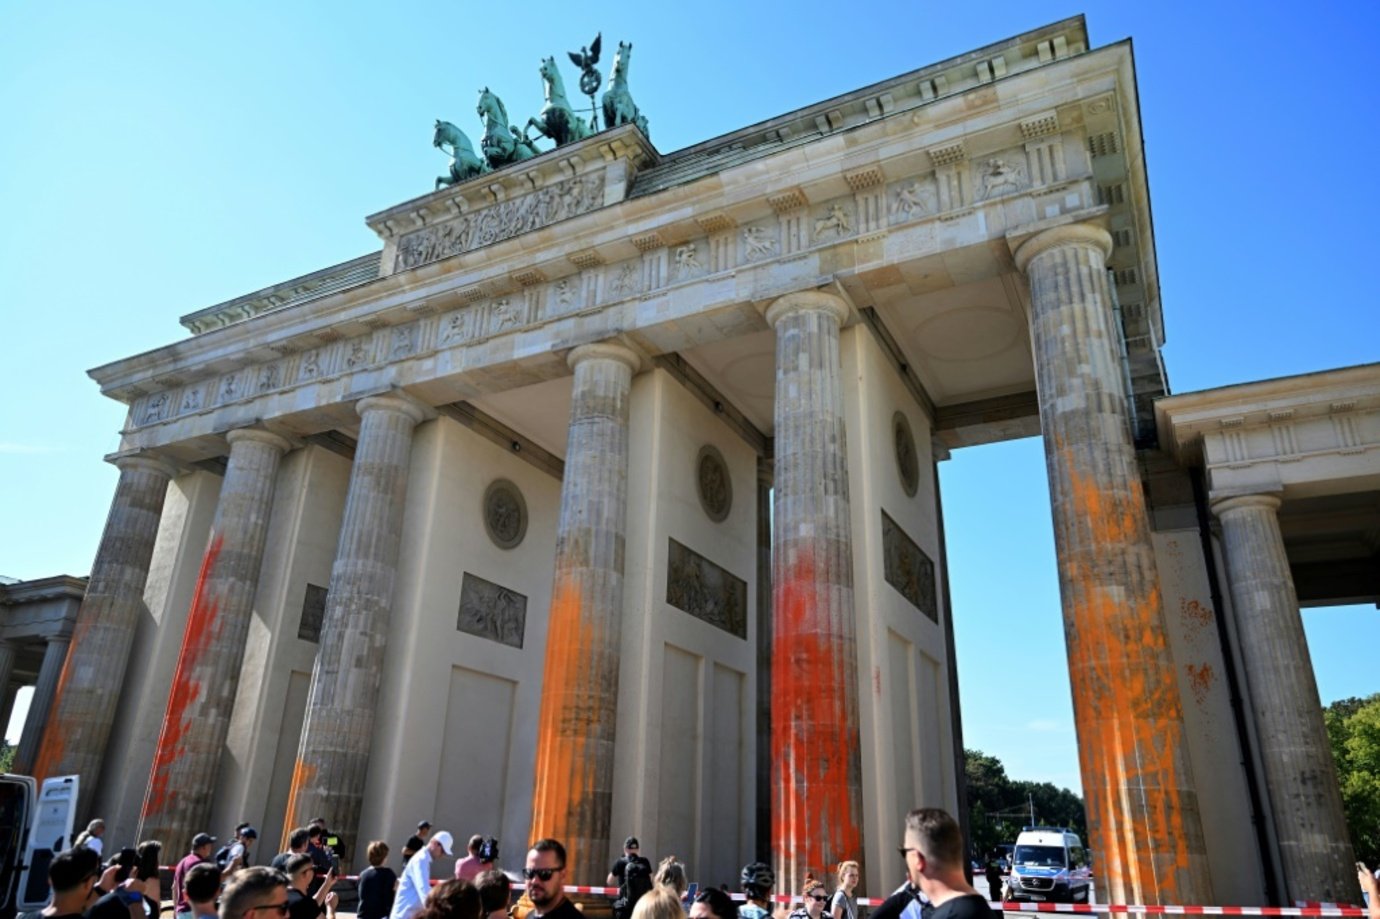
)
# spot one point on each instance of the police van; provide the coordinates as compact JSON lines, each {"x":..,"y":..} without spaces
{"x":35,"y":824}
{"x":1049,"y":864}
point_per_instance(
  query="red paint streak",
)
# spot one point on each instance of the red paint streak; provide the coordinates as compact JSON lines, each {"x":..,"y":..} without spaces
{"x":202,"y":629}
{"x":1195,"y":615}
{"x":303,"y":774}
{"x":814,"y":733}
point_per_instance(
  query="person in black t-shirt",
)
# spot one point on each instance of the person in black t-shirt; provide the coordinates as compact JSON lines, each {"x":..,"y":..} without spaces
{"x":933,"y":850}
{"x":304,"y":905}
{"x":632,"y":851}
{"x":72,"y":875}
{"x":377,"y":884}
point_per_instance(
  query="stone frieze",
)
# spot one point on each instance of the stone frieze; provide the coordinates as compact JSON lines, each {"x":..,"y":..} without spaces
{"x":501,"y":221}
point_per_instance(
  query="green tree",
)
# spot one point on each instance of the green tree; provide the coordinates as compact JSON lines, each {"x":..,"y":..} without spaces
{"x":7,"y":750}
{"x":998,"y":806}
{"x":1353,"y":727}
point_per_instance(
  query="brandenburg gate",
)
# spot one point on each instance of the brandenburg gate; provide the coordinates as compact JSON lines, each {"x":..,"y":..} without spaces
{"x":603,"y":499}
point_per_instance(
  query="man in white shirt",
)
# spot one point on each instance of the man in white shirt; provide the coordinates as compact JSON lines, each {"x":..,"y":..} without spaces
{"x":416,"y":878}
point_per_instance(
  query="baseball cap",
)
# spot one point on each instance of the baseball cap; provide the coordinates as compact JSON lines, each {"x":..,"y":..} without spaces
{"x":423,"y":824}
{"x":250,"y":832}
{"x":202,"y":839}
{"x":445,"y":840}
{"x":631,"y":843}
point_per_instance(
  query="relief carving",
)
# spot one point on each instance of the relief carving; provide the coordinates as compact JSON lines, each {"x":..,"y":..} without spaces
{"x":492,"y":611}
{"x":687,"y":261}
{"x":505,"y":514}
{"x":359,"y":353}
{"x":311,"y":364}
{"x":915,"y":199}
{"x":625,"y":282}
{"x":834,"y":221}
{"x":402,"y":341}
{"x":501,"y":221}
{"x":505,"y":314}
{"x":907,"y":568}
{"x":154,"y":410}
{"x":713,"y":483}
{"x":907,"y":460}
{"x":999,"y":175}
{"x":313,"y":614}
{"x":191,"y":401}
{"x":268,"y":377}
{"x":706,"y":591}
{"x":758,"y":243}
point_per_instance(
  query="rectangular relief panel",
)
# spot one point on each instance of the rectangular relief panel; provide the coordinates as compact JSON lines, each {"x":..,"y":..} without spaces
{"x":706,"y":591}
{"x":492,"y":611}
{"x":678,"y":801}
{"x":727,"y":765}
{"x":475,"y":752}
{"x":907,"y":568}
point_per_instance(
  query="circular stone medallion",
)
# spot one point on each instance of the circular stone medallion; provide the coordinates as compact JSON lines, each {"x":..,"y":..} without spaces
{"x":713,"y":483}
{"x":907,"y":460}
{"x":505,"y":514}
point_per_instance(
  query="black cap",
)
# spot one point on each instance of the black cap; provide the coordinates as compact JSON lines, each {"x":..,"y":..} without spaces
{"x":249,"y":832}
{"x":423,"y":824}
{"x":202,"y":839}
{"x":631,"y":843}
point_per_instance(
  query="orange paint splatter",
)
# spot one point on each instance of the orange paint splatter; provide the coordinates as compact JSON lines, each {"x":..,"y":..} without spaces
{"x":1125,"y":692}
{"x":1200,"y":680}
{"x":1194,"y":614}
{"x":202,"y":629}
{"x":302,"y":776}
{"x":815,"y":758}
{"x":565,"y":780}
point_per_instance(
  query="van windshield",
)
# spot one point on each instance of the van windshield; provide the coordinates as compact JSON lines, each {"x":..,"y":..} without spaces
{"x":1040,"y":856}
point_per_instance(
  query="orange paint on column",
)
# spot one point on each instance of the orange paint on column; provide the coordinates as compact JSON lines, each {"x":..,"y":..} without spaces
{"x":813,"y":748}
{"x":562,"y":722}
{"x":201,"y":630}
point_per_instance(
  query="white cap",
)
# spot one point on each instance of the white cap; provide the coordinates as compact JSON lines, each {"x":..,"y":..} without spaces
{"x":445,"y":839}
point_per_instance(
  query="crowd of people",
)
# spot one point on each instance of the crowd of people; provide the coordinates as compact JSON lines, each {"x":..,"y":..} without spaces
{"x":298,"y":883}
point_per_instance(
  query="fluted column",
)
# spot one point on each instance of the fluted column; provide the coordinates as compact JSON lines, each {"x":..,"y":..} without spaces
{"x":579,"y":693}
{"x":54,"y":656}
{"x":1301,"y":778}
{"x":1142,"y":806}
{"x":88,"y":690}
{"x":177,"y":802}
{"x":816,"y":755}
{"x":337,"y":735}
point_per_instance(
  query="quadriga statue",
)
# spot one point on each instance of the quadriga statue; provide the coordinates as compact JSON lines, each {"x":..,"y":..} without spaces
{"x":464,"y":162}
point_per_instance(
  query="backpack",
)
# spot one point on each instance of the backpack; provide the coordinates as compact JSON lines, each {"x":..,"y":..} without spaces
{"x":637,"y":880}
{"x":222,"y":856}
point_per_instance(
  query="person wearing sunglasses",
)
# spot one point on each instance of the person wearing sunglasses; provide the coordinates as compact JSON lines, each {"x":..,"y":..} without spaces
{"x":72,"y":875}
{"x":545,"y":874}
{"x":302,"y":904}
{"x":933,"y":850}
{"x":256,"y":893}
{"x":816,"y":899}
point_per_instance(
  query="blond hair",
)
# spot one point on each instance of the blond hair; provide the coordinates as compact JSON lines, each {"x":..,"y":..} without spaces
{"x":658,"y":903}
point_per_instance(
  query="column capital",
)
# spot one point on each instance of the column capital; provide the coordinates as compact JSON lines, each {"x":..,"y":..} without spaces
{"x":143,"y":460}
{"x":1222,"y":506}
{"x":259,"y":436}
{"x":807,"y":300}
{"x":607,"y":351}
{"x":1073,"y":234}
{"x":397,"y":404}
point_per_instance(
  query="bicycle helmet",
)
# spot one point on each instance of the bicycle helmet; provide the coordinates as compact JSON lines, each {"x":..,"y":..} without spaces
{"x":757,"y":880}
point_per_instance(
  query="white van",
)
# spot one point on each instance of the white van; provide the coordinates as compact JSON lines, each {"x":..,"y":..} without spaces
{"x":34,"y":826}
{"x":1049,"y":863}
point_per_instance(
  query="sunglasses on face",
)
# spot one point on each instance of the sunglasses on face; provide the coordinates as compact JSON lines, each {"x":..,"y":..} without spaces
{"x":543,"y":874}
{"x":820,"y":897}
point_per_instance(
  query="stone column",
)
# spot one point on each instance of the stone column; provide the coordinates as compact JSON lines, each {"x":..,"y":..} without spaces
{"x":1314,"y":844}
{"x":1142,"y":806}
{"x":816,"y":754}
{"x":54,"y":656}
{"x":8,"y":651}
{"x":186,"y":763}
{"x":338,"y":733}
{"x":78,"y":727}
{"x":579,"y":693}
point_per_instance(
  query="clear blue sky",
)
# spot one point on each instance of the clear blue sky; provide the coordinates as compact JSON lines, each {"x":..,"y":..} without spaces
{"x":159,"y":158}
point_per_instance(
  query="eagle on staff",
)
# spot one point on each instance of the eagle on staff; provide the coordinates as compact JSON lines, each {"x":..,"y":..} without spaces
{"x":585,"y":59}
